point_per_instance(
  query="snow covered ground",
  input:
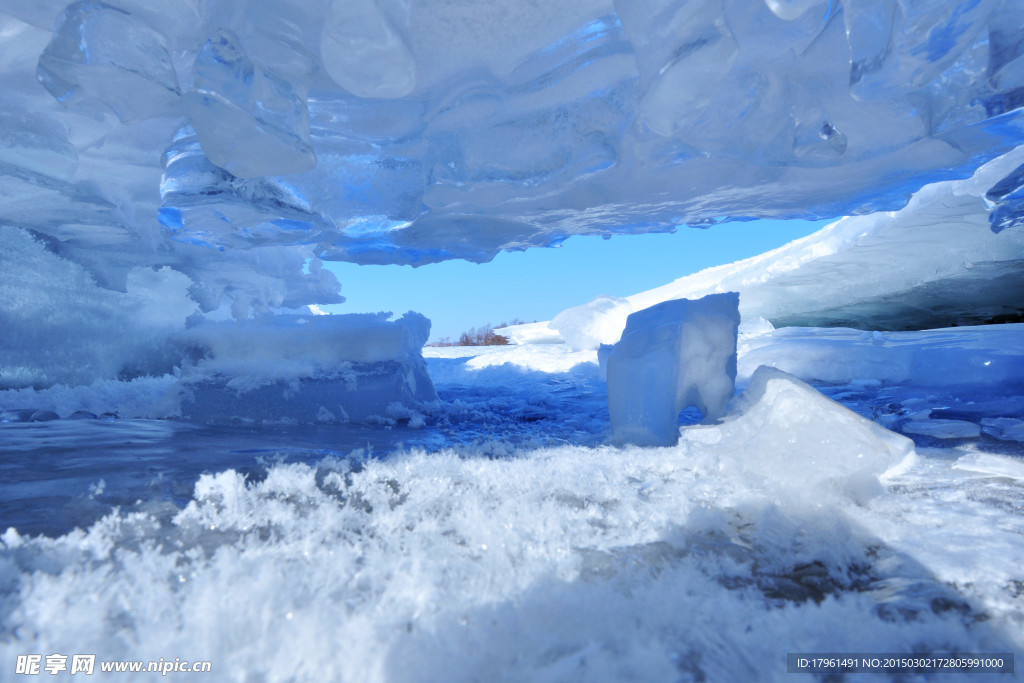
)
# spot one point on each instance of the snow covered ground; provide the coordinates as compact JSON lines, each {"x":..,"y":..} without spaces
{"x":504,"y":540}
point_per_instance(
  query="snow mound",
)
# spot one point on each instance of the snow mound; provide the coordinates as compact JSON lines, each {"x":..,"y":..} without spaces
{"x":599,"y":321}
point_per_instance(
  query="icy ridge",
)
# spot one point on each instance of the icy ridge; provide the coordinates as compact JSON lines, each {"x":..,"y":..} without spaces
{"x":941,"y":260}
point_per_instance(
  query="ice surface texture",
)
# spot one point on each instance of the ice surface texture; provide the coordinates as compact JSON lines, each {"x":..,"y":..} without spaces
{"x":672,"y":355}
{"x":985,"y":355}
{"x":409,"y":132}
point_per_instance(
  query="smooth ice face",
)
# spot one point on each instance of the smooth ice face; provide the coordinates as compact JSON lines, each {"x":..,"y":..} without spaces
{"x":102,"y":55}
{"x":676,"y":354}
{"x":249,"y":121}
{"x":986,"y":355}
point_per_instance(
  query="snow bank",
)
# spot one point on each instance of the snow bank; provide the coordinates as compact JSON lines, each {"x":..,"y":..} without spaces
{"x":672,"y":355}
{"x":306,"y":368}
{"x":933,"y":263}
{"x":529,"y":333}
{"x":57,"y":326}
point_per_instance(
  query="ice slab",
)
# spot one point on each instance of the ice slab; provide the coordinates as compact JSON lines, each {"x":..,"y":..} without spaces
{"x":1004,"y":428}
{"x":509,"y":126}
{"x":676,"y":354}
{"x":991,"y":465}
{"x":365,"y":51}
{"x":379,"y":393}
{"x":238,"y":142}
{"x":306,"y":369}
{"x":106,"y":55}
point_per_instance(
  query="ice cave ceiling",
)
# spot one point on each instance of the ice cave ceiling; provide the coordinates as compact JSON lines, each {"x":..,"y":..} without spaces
{"x":235,"y":140}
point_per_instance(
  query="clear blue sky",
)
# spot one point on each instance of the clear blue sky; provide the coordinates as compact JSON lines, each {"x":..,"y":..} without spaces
{"x":538,"y":283}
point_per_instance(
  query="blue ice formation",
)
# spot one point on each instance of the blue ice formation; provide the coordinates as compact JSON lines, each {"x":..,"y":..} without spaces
{"x":240,"y":144}
{"x":675,"y":354}
{"x":411,"y":132}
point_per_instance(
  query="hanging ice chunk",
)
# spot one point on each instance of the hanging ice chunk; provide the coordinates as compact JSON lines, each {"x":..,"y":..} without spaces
{"x":249,"y":121}
{"x":278,"y":35}
{"x":1006,"y":46}
{"x":107,"y":55}
{"x":672,"y":355}
{"x":363,"y":50}
{"x":1008,"y":198}
{"x":39,"y":13}
{"x":869,"y":29}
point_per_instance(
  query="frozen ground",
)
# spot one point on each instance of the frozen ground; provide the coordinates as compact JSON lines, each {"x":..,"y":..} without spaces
{"x":503,"y":540}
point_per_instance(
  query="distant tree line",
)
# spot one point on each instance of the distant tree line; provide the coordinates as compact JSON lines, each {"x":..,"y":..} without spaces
{"x":480,"y":336}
